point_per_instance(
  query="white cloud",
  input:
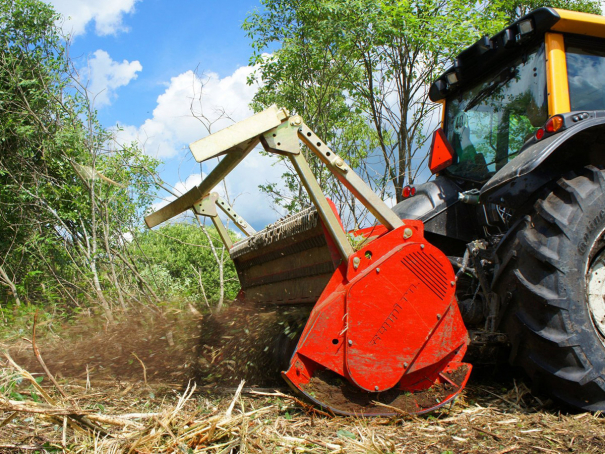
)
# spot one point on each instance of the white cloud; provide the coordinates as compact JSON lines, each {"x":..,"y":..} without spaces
{"x":106,"y":75}
{"x":174,"y":122}
{"x":191,"y":105}
{"x":106,"y":14}
{"x":241,"y":189}
{"x":192,"y":180}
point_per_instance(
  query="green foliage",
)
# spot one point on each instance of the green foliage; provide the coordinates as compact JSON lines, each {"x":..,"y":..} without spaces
{"x":515,"y":9}
{"x":304,"y":76}
{"x":10,"y":384}
{"x":357,"y":70}
{"x":342,"y":433}
{"x":72,"y":202}
{"x":67,"y":196}
{"x":176,"y":256}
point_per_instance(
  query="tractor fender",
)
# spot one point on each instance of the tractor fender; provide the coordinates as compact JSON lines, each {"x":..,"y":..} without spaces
{"x":436,"y":204}
{"x":539,"y":162}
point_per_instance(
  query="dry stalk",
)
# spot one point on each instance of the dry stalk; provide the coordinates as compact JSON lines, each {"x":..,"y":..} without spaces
{"x":398,"y":411}
{"x":139,"y":415}
{"x":508,"y":449}
{"x":25,"y":374}
{"x":41,"y":361}
{"x":77,"y":416}
{"x":32,"y":407}
{"x":144,"y":368}
{"x":309,"y":409}
{"x":503,"y":399}
{"x":88,"y":387}
{"x":114,"y":420}
{"x":203,"y":424}
{"x":9,"y":419}
{"x":19,"y":448}
{"x":64,"y":433}
{"x":487,"y":432}
{"x":235,"y":397}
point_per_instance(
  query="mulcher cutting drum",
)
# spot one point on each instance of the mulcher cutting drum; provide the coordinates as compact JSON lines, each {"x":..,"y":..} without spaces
{"x":385,"y":334}
{"x":286,"y":263}
{"x":385,"y":324}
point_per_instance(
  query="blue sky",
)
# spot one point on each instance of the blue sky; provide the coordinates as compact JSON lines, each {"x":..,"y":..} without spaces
{"x":146,"y":60}
{"x":168,"y":38}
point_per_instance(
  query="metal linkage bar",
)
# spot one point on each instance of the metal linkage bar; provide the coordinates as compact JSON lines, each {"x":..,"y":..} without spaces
{"x":235,"y":142}
{"x":319,"y":200}
{"x":207,"y":207}
{"x":238,"y":135}
{"x":281,"y":135}
{"x":284,"y":140}
{"x":350,"y":179}
{"x":194,"y":195}
{"x":236,"y":218}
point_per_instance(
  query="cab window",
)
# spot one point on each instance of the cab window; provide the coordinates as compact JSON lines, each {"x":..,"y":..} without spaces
{"x":586,"y":75}
{"x":488,"y":123}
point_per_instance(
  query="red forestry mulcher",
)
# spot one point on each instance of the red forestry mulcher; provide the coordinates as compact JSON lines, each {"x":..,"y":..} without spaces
{"x":516,"y":208}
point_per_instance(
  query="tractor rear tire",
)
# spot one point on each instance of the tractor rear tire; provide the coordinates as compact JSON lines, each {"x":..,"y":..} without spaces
{"x":556,"y":329}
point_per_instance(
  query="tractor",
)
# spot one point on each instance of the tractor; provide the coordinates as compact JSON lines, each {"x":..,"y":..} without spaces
{"x":503,"y":249}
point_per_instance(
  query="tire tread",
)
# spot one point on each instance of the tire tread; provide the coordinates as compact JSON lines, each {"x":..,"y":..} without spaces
{"x":546,"y":341}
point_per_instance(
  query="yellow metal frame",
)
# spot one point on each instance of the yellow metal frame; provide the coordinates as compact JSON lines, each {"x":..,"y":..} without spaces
{"x":580,"y":23}
{"x":556,"y":74}
{"x":236,"y":141}
{"x":570,"y":22}
{"x":442,"y":102}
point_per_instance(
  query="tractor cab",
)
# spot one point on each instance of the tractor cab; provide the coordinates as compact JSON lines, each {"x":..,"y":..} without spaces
{"x":501,"y":92}
{"x":518,"y":109}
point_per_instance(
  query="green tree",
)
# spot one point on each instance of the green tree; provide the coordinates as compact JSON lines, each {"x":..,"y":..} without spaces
{"x":303,"y":76}
{"x":68,"y":196}
{"x":364,"y":63}
{"x":179,"y":261}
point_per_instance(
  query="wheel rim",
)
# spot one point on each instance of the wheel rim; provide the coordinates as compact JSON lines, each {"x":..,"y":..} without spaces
{"x":596,"y":293}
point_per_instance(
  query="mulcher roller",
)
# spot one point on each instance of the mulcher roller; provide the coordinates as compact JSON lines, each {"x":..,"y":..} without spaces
{"x":384,"y":333}
{"x":286,"y":263}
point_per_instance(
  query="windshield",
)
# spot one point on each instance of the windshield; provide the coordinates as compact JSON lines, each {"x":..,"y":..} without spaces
{"x":488,"y":123}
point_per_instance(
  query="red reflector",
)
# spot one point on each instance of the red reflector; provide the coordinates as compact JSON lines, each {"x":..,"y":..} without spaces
{"x":407,"y":191}
{"x":539,"y":134}
{"x":554,"y":124}
{"x":442,"y":153}
{"x":413,"y":191}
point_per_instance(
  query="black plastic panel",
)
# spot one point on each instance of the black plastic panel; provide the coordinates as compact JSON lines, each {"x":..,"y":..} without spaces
{"x":514,"y":178}
{"x":436,"y":204}
{"x":477,"y":60}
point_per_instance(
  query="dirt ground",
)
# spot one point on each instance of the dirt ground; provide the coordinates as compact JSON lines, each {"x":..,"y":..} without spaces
{"x":128,"y":387}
